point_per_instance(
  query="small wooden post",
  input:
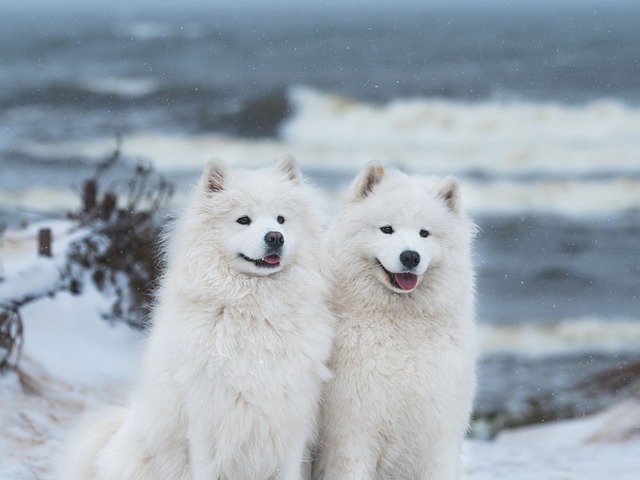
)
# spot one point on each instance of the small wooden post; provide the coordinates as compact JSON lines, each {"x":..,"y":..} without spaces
{"x":89,"y":195}
{"x":44,"y":242}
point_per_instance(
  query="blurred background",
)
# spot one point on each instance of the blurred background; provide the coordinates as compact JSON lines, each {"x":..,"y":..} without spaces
{"x":534,"y":106}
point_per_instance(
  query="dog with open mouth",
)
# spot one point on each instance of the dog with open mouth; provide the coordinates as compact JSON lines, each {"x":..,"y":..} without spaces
{"x":236,"y":358}
{"x":402,"y":290}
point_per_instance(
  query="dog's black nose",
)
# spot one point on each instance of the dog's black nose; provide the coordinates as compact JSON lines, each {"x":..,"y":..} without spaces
{"x":274,"y":239}
{"x":410,"y":259}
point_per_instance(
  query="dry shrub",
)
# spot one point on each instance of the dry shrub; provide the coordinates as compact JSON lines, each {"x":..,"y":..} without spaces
{"x":120,"y":255}
{"x":11,"y":337}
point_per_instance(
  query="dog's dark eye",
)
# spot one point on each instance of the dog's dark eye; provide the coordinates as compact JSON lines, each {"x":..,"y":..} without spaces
{"x":244,"y":220}
{"x":424,"y":233}
{"x":280,"y":219}
{"x":388,"y":229}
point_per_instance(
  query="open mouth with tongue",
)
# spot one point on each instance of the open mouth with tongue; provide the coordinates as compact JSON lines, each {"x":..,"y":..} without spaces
{"x":270,"y":261}
{"x":405,"y":281}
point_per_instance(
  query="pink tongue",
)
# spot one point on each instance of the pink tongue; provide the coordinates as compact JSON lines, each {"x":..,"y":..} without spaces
{"x":271,"y":259}
{"x":406,"y":281}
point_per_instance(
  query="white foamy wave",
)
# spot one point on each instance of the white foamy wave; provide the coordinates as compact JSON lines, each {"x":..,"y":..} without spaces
{"x":126,"y":88}
{"x":150,"y":29}
{"x":445,"y":135}
{"x":181,"y":154}
{"x":170,"y":153}
{"x":563,"y":196}
{"x":90,"y":151}
{"x":39,"y":199}
{"x":591,"y":335}
{"x":514,"y":157}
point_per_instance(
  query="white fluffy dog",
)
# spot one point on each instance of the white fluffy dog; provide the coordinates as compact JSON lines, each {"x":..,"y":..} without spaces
{"x":404,"y":353}
{"x":235,"y":362}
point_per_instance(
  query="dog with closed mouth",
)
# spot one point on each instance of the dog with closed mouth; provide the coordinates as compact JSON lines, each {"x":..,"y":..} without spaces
{"x":235,"y":361}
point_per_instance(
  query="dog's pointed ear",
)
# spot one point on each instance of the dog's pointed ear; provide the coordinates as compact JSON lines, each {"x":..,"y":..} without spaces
{"x":449,"y":191}
{"x":214,"y":176}
{"x":288,"y":165}
{"x":365,"y":181}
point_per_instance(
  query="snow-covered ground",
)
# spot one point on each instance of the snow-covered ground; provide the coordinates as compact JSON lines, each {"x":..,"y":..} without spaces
{"x":74,"y":361}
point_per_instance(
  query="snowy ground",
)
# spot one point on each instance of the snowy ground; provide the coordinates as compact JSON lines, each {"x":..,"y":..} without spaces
{"x":75,"y":361}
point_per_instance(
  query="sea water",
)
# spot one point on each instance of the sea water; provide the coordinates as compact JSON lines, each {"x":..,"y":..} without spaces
{"x":536,"y":109}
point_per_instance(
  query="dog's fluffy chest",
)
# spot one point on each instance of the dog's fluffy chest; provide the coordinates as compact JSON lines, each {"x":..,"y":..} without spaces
{"x":238,"y":333}
{"x":406,"y":352}
{"x":251,"y":352}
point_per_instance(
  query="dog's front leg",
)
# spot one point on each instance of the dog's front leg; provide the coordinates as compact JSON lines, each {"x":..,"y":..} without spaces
{"x":202,"y":456}
{"x":353,"y":458}
{"x":292,"y":465}
{"x":440,"y":464}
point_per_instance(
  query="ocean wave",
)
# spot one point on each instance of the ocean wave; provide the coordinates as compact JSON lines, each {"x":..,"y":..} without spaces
{"x":88,"y":94}
{"x":126,"y":88}
{"x":152,"y":29}
{"x":128,"y":103}
{"x":335,"y":166}
{"x":493,"y":136}
{"x":91,"y":95}
{"x":39,"y":199}
{"x":510,"y":157}
{"x":565,"y":198}
{"x":562,"y":196}
{"x":570,"y":336}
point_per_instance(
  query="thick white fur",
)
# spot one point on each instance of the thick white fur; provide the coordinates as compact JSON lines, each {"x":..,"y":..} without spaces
{"x":399,"y":403}
{"x":235,"y":361}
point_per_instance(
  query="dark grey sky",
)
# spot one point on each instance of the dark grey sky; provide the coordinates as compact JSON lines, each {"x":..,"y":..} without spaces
{"x":179,"y":3}
{"x":149,"y":4}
